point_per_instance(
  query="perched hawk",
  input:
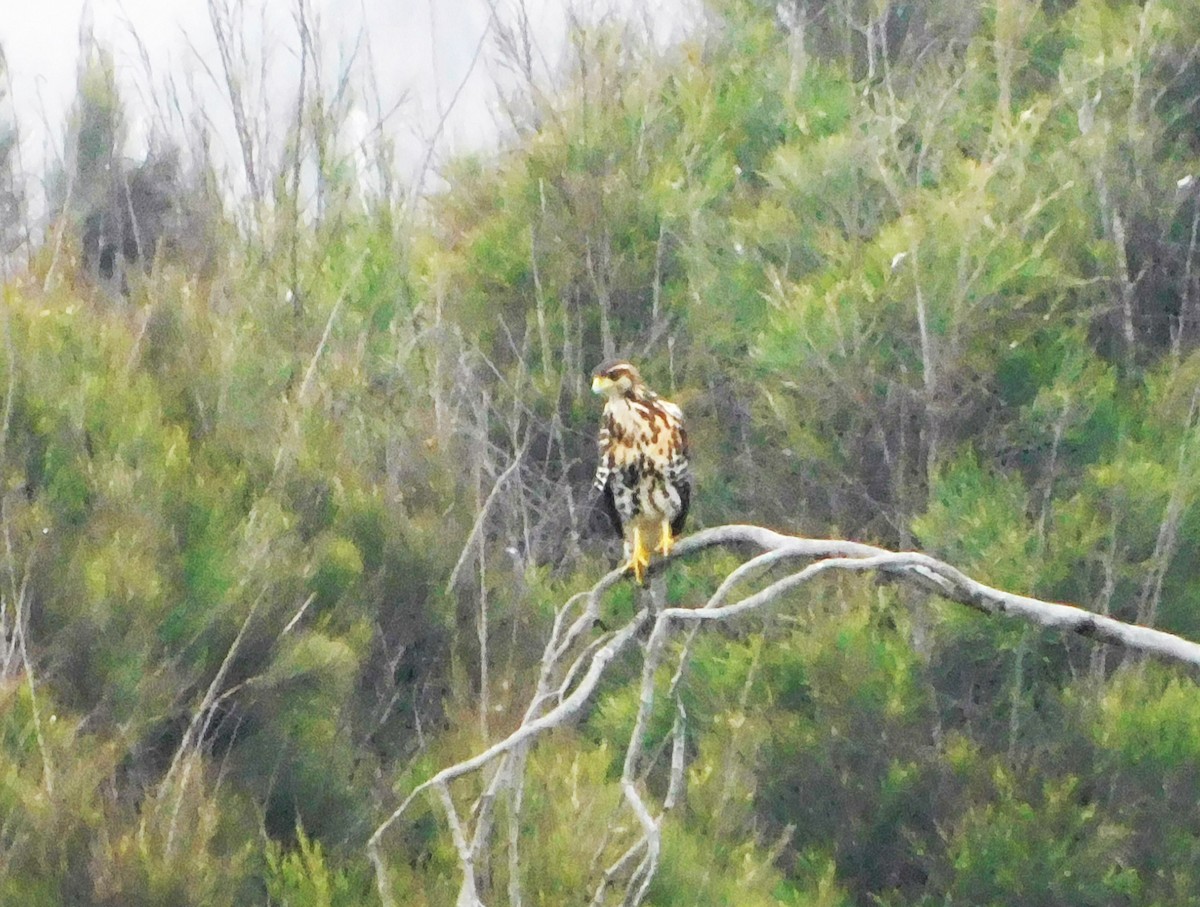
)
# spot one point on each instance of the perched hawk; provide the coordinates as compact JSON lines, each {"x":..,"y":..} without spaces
{"x":642,"y":476}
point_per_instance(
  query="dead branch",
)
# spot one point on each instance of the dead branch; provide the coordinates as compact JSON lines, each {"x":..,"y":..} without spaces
{"x":564,"y":687}
{"x":232,"y":63}
{"x":480,"y":520}
{"x":532,"y":727}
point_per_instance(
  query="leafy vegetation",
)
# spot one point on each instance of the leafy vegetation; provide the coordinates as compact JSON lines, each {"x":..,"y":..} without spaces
{"x":289,"y":499}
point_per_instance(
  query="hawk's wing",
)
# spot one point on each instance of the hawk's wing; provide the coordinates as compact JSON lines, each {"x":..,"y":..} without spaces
{"x":604,"y":516}
{"x":603,"y":503}
{"x":678,"y":472}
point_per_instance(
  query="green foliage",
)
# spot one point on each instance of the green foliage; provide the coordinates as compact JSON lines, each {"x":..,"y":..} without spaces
{"x":1052,"y":851}
{"x":853,"y":772}
{"x":302,"y":877}
{"x":918,"y":274}
{"x":970,"y":522}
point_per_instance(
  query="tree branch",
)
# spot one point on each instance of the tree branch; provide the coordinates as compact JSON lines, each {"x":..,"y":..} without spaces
{"x":570,"y":647}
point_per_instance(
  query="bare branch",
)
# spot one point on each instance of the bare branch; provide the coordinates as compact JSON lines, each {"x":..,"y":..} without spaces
{"x":333,"y":313}
{"x":629,"y":876}
{"x":223,"y":28}
{"x":480,"y":520}
{"x":560,"y":715}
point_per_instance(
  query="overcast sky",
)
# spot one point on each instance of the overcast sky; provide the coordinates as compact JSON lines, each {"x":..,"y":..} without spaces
{"x":421,"y":51}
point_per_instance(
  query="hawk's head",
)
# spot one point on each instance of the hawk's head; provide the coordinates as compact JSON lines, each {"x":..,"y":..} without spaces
{"x":616,"y":378}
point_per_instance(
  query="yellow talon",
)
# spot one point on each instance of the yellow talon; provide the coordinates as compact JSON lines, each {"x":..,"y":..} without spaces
{"x":639,"y":557}
{"x":665,"y":540}
{"x":639,"y":571}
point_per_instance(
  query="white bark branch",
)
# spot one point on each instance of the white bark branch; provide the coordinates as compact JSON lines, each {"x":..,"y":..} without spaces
{"x":561,"y":692}
{"x":936,"y":576}
{"x":481,"y":520}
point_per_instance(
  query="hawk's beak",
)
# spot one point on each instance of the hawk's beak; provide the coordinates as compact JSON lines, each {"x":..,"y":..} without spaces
{"x":600,"y":383}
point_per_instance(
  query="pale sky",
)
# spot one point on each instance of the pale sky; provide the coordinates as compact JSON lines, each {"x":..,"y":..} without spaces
{"x":421,"y":50}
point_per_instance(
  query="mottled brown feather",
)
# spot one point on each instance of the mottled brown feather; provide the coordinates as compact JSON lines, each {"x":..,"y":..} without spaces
{"x":643,"y":473}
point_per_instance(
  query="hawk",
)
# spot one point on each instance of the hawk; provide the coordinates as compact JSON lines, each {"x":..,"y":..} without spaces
{"x":642,"y":476}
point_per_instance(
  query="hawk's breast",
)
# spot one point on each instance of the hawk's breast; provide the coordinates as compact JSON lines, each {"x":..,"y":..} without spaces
{"x":643,"y":447}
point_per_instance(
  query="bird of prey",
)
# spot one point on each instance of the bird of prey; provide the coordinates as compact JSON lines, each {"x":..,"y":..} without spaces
{"x":642,"y":476}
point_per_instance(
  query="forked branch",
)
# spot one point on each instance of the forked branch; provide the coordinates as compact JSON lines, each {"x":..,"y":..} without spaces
{"x":577,"y":655}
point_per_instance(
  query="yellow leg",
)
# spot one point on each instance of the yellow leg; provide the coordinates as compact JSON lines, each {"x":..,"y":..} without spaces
{"x":639,"y":557}
{"x":665,"y":540}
